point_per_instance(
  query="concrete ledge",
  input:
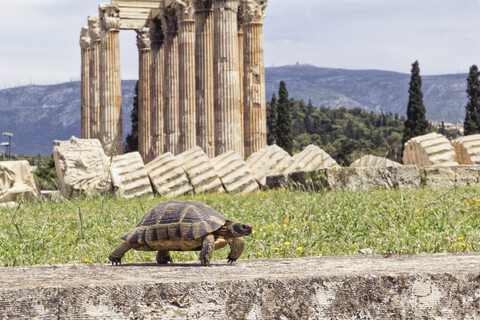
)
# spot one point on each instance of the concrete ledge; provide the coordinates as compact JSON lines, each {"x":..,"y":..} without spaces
{"x":442,"y":286}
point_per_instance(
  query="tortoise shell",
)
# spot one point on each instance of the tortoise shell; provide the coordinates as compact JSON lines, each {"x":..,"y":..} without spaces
{"x":176,"y":221}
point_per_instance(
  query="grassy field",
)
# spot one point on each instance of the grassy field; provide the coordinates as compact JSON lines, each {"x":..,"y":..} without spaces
{"x":286,"y":224}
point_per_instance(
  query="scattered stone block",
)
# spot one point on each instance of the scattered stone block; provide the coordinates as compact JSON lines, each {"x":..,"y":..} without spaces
{"x":16,"y":181}
{"x":404,"y":177}
{"x":234,"y":173}
{"x":467,"y":149}
{"x":362,"y":178}
{"x":129,"y":176}
{"x":309,"y":180}
{"x":467,"y":175}
{"x":313,"y":158}
{"x":82,"y":167}
{"x":200,"y":171}
{"x":167,"y":176}
{"x":270,"y":161}
{"x":430,"y":149}
{"x":374,"y":161}
{"x":439,"y":176}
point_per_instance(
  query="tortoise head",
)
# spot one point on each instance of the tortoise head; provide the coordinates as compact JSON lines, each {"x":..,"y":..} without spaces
{"x":238,"y":229}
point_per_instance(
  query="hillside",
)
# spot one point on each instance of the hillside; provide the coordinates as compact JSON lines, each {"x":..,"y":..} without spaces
{"x":37,"y":115}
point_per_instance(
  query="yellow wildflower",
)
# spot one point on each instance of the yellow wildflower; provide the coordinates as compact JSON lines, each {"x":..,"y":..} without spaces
{"x":286,"y":243}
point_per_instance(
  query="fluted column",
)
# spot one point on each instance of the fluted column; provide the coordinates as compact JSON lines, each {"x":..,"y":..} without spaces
{"x":186,"y":45}
{"x":240,"y":71}
{"x":171,"y":111}
{"x":85,"y":45}
{"x":205,"y":117}
{"x":255,"y":122}
{"x":144,"y":86}
{"x":94,"y":75}
{"x":157,"y":82}
{"x":111,"y":86}
{"x":227,"y":77}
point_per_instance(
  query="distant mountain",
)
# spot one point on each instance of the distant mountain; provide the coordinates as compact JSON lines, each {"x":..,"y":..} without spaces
{"x":374,"y":90}
{"x":37,"y":115}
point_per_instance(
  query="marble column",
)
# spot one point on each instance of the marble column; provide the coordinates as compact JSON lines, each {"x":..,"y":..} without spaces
{"x":255,"y":123}
{"x":144,"y":87}
{"x":226,"y":77}
{"x":171,"y":91}
{"x":157,"y":82}
{"x":85,"y":45}
{"x":205,"y":116}
{"x":94,"y":87}
{"x":111,"y":85}
{"x":240,"y":71}
{"x":186,"y":45}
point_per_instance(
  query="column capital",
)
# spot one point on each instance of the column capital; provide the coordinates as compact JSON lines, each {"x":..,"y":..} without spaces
{"x":94,"y":27}
{"x":226,"y":4}
{"x":156,"y":32}
{"x":143,"y":39}
{"x":185,"y":10}
{"x":110,"y":17}
{"x":85,"y":40}
{"x":253,"y":11}
{"x":203,"y":5}
{"x":169,"y":21}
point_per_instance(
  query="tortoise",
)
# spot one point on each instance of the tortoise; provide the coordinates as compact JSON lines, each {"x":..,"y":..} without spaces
{"x":183,"y":226}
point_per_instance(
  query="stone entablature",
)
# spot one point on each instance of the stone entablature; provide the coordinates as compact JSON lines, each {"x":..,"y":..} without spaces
{"x":202,"y":81}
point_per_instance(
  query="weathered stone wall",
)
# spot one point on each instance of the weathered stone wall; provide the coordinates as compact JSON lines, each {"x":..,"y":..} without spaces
{"x":441,"y":286}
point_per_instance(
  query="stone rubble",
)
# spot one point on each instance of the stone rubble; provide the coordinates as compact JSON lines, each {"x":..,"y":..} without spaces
{"x":82,"y":167}
{"x":270,"y":161}
{"x":200,"y":171}
{"x":313,"y":158}
{"x":467,"y":149}
{"x":432,"y":149}
{"x":16,"y":182}
{"x":374,"y":161}
{"x":168,"y":178}
{"x":234,"y":173}
{"x":129,"y":176}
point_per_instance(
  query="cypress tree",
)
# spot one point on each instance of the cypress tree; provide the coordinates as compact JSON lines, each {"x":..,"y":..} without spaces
{"x":132,"y":138}
{"x":472,"y":117}
{"x":308,"y":122}
{"x":272,"y":120}
{"x":416,"y":124}
{"x":284,"y":122}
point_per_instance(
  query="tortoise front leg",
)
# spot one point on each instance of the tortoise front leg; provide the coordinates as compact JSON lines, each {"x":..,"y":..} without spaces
{"x":163,"y":257}
{"x":236,"y":248}
{"x":116,"y":255}
{"x":207,"y":250}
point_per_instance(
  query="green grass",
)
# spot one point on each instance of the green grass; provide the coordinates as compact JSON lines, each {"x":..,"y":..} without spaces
{"x":286,"y":224}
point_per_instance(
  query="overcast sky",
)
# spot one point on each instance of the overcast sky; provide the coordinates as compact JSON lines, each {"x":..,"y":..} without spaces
{"x":39,"y":38}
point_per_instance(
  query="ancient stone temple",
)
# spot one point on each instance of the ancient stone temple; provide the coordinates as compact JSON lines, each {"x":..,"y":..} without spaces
{"x":201,"y":75}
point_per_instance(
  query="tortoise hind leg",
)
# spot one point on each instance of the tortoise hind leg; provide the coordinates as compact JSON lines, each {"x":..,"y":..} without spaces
{"x":116,"y":255}
{"x":236,"y":248}
{"x":163,"y":257}
{"x":207,"y":250}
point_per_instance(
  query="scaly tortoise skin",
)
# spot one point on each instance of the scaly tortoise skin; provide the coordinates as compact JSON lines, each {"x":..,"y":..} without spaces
{"x":184,"y":226}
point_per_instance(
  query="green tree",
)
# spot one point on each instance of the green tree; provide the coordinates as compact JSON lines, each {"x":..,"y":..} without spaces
{"x":284,"y":122}
{"x":416,"y":124}
{"x":132,"y":138}
{"x":272,"y":120}
{"x":472,"y":117}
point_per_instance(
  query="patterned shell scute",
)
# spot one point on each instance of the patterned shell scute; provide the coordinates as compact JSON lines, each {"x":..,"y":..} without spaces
{"x":176,"y":221}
